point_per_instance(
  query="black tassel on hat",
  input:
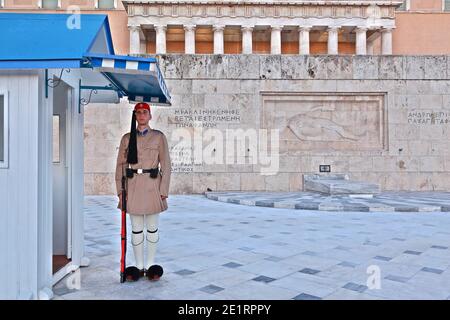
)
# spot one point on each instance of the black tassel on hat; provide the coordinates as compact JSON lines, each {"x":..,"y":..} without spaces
{"x":132,"y":157}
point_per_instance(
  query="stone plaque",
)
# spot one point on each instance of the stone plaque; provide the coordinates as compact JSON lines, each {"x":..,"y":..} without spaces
{"x":326,"y":121}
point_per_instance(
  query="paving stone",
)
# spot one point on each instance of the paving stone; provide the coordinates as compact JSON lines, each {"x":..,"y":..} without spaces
{"x":355,"y":287}
{"x":211,"y":289}
{"x":232,"y":265}
{"x":396,"y":278}
{"x":432,"y":270}
{"x":382,"y":258}
{"x":440,"y":247}
{"x":309,"y":271}
{"x":264,"y":279}
{"x":305,"y":296}
{"x":184,"y":272}
{"x":348,"y":264}
{"x":416,"y":253}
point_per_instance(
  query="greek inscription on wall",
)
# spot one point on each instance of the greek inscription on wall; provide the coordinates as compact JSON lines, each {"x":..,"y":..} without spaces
{"x":428,"y":117}
{"x":190,"y":118}
{"x":207,"y":118}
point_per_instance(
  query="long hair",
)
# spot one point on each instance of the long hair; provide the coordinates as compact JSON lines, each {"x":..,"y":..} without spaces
{"x":132,"y":157}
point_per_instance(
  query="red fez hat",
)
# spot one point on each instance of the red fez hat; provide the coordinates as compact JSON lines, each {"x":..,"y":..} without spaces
{"x":142,"y":105}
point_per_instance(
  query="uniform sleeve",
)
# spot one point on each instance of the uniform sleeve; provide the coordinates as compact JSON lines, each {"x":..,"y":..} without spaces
{"x":120,"y":164}
{"x":166,"y":166}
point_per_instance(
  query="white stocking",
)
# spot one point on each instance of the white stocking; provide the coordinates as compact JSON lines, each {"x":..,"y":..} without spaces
{"x":137,"y":239}
{"x":152,"y":237}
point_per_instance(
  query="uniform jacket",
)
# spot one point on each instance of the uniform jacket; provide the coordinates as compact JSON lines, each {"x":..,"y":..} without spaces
{"x":144,"y":193}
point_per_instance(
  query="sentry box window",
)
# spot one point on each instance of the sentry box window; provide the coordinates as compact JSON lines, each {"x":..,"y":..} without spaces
{"x":3,"y":130}
{"x":56,"y":155}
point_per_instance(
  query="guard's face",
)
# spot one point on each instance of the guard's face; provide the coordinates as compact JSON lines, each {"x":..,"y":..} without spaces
{"x":143,"y":116}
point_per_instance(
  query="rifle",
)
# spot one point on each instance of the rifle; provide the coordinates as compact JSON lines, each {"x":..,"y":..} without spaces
{"x":123,"y":232}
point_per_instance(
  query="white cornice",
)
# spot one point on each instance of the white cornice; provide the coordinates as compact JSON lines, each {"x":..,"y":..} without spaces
{"x":259,"y":9}
{"x":272,"y":2}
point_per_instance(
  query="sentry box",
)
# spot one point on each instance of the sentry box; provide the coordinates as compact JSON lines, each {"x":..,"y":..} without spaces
{"x":51,"y":65}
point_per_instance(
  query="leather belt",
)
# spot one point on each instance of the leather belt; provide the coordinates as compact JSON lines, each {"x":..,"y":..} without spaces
{"x":153,"y":172}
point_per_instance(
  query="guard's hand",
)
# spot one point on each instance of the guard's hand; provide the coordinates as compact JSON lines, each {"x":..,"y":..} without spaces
{"x":120,"y":197}
{"x":163,"y":197}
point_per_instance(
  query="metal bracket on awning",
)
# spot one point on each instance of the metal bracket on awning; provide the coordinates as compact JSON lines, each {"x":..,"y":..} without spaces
{"x":54,"y":83}
{"x":93,"y":90}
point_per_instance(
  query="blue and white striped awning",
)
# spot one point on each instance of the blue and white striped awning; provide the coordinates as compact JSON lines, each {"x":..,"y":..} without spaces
{"x":90,"y":48}
{"x":138,"y":78}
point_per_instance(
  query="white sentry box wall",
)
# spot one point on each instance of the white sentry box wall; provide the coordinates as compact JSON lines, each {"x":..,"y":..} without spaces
{"x":26,"y":234}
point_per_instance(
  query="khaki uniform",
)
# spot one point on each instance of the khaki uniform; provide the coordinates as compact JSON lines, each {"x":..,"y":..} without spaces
{"x":144,"y":193}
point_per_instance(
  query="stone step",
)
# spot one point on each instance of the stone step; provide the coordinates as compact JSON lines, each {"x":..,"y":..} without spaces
{"x":338,"y":184}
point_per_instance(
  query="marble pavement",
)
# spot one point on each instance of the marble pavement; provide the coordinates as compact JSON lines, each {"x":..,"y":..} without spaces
{"x":216,"y":250}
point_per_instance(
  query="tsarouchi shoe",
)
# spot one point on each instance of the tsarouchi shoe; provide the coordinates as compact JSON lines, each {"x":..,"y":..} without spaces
{"x":133,"y":274}
{"x":154,"y":272}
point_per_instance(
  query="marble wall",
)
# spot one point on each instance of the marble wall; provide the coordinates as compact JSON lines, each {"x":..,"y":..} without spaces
{"x":382,"y":119}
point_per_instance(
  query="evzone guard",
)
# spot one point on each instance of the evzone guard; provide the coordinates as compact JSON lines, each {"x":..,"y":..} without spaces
{"x":142,"y":180}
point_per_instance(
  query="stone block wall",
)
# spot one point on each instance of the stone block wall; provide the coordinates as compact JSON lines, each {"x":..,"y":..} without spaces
{"x":382,"y":119}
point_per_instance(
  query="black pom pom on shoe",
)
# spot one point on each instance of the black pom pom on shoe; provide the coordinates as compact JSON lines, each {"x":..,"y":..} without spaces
{"x":132,"y":274}
{"x":154,"y":272}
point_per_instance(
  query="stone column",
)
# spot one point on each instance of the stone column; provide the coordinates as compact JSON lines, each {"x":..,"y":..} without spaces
{"x":386,"y":41}
{"x":218,"y":39}
{"x":247,"y":45}
{"x":189,"y":39}
{"x":275,"y":40}
{"x":160,"y":38}
{"x":135,"y":39}
{"x":361,"y":40}
{"x":333,"y":40}
{"x":303,"y":40}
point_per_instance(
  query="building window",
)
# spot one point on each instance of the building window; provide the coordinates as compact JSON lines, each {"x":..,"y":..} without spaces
{"x":446,"y":5}
{"x":405,"y":6}
{"x":106,"y":4}
{"x":3,"y":130}
{"x":2,"y":3}
{"x":50,"y":4}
